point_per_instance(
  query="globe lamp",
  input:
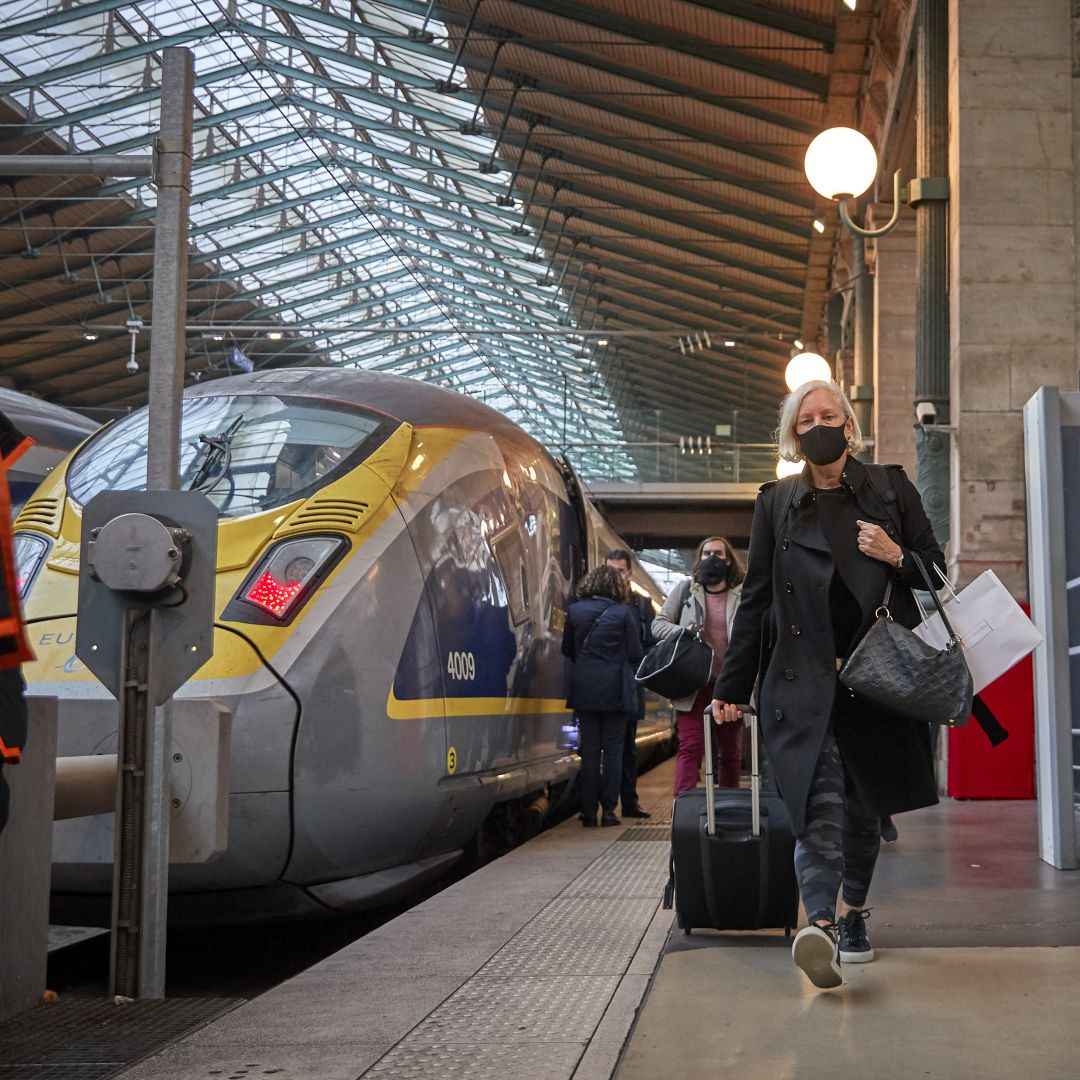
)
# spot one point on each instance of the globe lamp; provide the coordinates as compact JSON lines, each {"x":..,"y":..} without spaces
{"x":804,"y":367}
{"x":840,"y":163}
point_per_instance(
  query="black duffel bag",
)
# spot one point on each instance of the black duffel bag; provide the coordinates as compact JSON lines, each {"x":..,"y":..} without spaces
{"x":676,"y":666}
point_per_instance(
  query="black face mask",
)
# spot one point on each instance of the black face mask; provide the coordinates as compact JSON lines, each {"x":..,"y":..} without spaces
{"x":822,"y":445}
{"x":711,"y":570}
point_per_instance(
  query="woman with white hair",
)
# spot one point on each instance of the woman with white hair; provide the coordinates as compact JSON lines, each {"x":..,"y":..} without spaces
{"x":824,"y":546}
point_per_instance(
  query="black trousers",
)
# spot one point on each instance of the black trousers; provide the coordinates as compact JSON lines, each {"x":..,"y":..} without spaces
{"x":602,"y":734}
{"x":628,"y":788}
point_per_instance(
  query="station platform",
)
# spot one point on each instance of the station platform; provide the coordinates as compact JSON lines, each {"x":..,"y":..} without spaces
{"x":557,"y":960}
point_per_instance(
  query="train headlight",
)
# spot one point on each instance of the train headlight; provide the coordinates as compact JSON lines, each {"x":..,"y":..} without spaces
{"x":30,"y":552}
{"x":285,"y":577}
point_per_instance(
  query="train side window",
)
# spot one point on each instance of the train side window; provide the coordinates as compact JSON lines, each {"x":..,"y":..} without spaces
{"x":509,"y":554}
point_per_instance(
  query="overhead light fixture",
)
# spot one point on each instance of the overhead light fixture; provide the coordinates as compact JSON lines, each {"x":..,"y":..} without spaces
{"x":729,"y":344}
{"x":805,"y":367}
{"x":274,"y":335}
{"x":217,"y":337}
{"x":89,"y":335}
{"x":840,"y":163}
{"x":798,"y":344}
{"x":850,"y":4}
{"x":601,"y":341}
{"x":819,"y":225}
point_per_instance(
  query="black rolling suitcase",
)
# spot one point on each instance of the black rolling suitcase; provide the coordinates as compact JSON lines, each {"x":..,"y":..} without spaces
{"x":732,"y":853}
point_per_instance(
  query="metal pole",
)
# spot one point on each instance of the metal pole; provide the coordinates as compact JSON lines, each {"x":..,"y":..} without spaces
{"x":862,"y":392}
{"x":141,"y":870}
{"x":931,"y":277}
{"x":565,"y":395}
{"x":75,"y":165}
{"x":167,"y":314}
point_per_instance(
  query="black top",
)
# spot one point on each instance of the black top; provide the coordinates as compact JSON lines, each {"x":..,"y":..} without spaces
{"x":838,"y":515}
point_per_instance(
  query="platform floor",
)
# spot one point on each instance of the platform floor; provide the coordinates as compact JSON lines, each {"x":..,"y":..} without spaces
{"x":534,"y":965}
{"x":977,"y":973}
{"x":557,"y":961}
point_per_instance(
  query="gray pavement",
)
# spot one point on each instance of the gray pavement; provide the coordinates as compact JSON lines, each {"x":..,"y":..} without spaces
{"x":976,"y":976}
{"x":535,"y":963}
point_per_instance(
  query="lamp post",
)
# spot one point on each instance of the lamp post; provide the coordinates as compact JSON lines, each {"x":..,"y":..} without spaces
{"x":841,"y":164}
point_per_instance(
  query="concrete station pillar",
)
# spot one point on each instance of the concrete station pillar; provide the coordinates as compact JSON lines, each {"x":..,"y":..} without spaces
{"x":894,"y":346}
{"x":1014,"y":122}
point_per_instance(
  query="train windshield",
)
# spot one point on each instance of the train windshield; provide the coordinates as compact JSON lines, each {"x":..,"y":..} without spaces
{"x":246,"y":452}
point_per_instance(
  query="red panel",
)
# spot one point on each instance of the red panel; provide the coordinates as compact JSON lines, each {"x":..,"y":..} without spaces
{"x":978,"y":770}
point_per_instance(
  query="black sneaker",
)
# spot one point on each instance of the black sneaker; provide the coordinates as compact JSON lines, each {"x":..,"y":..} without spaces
{"x":635,"y":811}
{"x":814,"y":953}
{"x":855,"y":947}
{"x":888,"y":831}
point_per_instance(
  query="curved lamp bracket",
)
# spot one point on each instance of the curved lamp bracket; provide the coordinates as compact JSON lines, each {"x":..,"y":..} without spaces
{"x":845,"y":215}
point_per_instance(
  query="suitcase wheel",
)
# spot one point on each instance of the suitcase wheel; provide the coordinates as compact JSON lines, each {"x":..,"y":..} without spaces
{"x":787,"y":931}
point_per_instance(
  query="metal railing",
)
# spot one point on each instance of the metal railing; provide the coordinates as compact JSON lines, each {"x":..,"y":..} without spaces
{"x":668,"y":462}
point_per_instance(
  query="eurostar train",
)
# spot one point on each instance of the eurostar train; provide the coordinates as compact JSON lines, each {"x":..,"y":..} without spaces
{"x":394,"y":565}
{"x":56,"y":431}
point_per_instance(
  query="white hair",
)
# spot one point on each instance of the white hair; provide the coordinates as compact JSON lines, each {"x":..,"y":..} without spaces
{"x":787,"y":442}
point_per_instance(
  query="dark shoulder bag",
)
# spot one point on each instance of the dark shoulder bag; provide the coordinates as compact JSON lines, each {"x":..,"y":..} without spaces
{"x":677,"y":665}
{"x":882,"y":480}
{"x":894,"y":668}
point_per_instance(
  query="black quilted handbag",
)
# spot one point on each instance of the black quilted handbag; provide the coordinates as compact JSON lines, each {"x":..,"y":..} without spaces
{"x":894,"y":668}
{"x":677,"y":665}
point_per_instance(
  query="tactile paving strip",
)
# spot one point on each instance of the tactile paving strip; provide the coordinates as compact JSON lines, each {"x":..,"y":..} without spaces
{"x":658,"y":832}
{"x":487,"y":1061}
{"x":546,"y":1009}
{"x":90,"y":1039}
{"x":576,"y":936}
{"x":536,"y":1003}
{"x":638,"y":870}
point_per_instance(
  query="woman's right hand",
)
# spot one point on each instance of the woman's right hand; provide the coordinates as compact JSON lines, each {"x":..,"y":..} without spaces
{"x":724,"y":713}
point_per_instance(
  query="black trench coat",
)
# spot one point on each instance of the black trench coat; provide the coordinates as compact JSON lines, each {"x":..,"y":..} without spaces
{"x":783,"y":626}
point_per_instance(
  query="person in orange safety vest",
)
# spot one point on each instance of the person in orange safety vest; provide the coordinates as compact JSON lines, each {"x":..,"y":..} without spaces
{"x":13,"y":647}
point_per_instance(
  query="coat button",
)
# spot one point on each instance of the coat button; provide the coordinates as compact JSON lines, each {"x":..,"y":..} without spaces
{"x":795,"y":631}
{"x":779,"y":714}
{"x":789,"y":674}
{"x":788,"y":587}
{"x":784,"y":544}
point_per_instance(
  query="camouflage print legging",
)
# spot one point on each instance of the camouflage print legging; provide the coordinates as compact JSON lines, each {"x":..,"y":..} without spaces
{"x":840,"y":845}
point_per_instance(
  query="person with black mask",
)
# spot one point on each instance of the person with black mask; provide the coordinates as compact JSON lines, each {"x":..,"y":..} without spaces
{"x":824,"y":546}
{"x":707,"y":601}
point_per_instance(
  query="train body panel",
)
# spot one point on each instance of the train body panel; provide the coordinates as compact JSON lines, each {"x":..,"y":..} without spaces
{"x":423,"y":675}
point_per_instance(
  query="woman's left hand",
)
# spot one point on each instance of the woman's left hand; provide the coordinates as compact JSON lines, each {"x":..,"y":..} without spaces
{"x":874,"y":541}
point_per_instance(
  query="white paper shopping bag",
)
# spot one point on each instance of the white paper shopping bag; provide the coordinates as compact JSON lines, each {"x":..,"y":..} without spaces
{"x":995,"y":631}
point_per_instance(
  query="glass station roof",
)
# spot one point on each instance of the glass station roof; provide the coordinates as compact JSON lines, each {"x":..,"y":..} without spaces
{"x":332,"y":186}
{"x":589,"y":213}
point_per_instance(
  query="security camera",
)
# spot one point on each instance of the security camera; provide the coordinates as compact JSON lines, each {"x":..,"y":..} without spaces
{"x":925,"y":412}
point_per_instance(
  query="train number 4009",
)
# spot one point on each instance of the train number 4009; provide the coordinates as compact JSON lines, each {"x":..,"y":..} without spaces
{"x":461,"y":666}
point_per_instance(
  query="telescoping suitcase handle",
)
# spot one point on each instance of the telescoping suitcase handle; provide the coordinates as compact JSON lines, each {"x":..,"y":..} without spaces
{"x":755,"y":772}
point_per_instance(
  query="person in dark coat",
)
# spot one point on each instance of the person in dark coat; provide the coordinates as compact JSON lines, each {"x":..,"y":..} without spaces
{"x":824,"y":545}
{"x":641,"y":606}
{"x":602,"y":639}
